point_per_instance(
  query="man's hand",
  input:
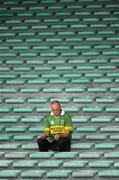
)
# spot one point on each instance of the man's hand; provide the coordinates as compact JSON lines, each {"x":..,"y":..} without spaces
{"x":65,"y":135}
{"x":57,"y":137}
{"x":42,"y":136}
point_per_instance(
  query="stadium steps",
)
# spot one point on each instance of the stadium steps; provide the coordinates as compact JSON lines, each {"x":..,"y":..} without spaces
{"x":64,"y":50}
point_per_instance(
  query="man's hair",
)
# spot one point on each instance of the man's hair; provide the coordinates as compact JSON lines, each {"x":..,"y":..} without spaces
{"x":55,"y":102}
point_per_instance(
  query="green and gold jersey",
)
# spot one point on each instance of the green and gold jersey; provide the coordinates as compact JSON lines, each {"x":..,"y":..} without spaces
{"x":58,"y":125}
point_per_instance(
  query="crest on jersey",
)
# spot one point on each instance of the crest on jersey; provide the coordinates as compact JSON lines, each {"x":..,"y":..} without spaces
{"x":62,"y":122}
{"x":52,"y":122}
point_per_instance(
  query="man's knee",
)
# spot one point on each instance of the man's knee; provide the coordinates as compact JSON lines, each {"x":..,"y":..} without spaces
{"x":42,"y":144}
{"x":64,"y":144}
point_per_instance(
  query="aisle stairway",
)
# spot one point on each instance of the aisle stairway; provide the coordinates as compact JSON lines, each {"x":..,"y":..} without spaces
{"x":66,"y":50}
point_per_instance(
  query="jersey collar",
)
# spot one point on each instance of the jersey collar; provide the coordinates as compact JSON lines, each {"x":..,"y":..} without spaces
{"x":62,"y":113}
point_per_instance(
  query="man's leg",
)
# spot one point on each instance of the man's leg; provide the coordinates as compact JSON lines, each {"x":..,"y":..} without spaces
{"x":43,"y":144}
{"x":64,"y":144}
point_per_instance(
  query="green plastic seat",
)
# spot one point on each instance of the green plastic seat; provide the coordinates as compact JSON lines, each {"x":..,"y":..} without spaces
{"x":62,"y":81}
{"x":52,"y":90}
{"x":23,"y":110}
{"x":92,"y":109}
{"x":80,"y":81}
{"x":77,"y":137}
{"x":109,"y":173}
{"x":94,"y":75}
{"x":106,"y":67}
{"x":29,"y":146}
{"x":36,"y":129}
{"x":109,"y":129}
{"x":63,"y":68}
{"x":49,"y":76}
{"x":75,"y":164}
{"x":41,"y":109}
{"x":72,"y":75}
{"x":5,"y":137}
{"x":96,"y":137}
{"x":50,"y":164}
{"x":9,"y":173}
{"x":87,"y":129}
{"x":41,"y":155}
{"x":80,"y":119}
{"x":101,"y":164}
{"x":38,"y":100}
{"x":33,"y":173}
{"x":66,"y":155}
{"x":112,"y":109}
{"x":37,"y":81}
{"x":83,"y":100}
{"x":106,"y":146}
{"x":6,"y":14}
{"x":16,"y":129}
{"x":15,"y":101}
{"x":31,"y":119}
{"x":82,"y":46}
{"x":15,"y":82}
{"x":24,"y":137}
{"x":19,"y":28}
{"x":113,"y":74}
{"x":22,"y":69}
{"x":10,"y":146}
{"x":16,"y":155}
{"x":101,"y":119}
{"x":59,"y":173}
{"x":10,"y":90}
{"x":8,"y":76}
{"x":29,"y":90}
{"x":114,"y":90}
{"x":102,"y":80}
{"x":5,"y":55}
{"x":4,"y":69}
{"x":111,"y":155}
{"x":9,"y":119}
{"x":84,"y":173}
{"x":29,"y":76}
{"x":90,"y":155}
{"x":5,"y":110}
{"x":59,"y":26}
{"x":5,"y":163}
{"x":82,"y":145}
{"x":98,"y":61}
{"x":74,"y":90}
{"x":24,"y":163}
{"x":105,"y":100}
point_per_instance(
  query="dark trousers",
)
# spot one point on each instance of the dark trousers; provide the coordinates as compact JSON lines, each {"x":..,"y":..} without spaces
{"x":64,"y":144}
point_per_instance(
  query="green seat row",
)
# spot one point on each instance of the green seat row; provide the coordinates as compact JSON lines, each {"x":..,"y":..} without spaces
{"x":62,"y":81}
{"x":58,"y":173}
{"x":99,"y":146}
{"x":60,"y":155}
{"x":66,"y":100}
{"x":58,"y":163}
{"x":75,"y":146}
{"x":75,"y":119}
{"x":59,"y":68}
{"x":91,"y":137}
{"x":87,"y":109}
{"x":91,"y":129}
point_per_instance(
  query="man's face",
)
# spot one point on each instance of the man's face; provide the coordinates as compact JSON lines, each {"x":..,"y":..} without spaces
{"x":56,"y":109}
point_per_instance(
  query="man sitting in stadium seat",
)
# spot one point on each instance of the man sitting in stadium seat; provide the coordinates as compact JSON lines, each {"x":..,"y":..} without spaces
{"x":57,"y":130}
